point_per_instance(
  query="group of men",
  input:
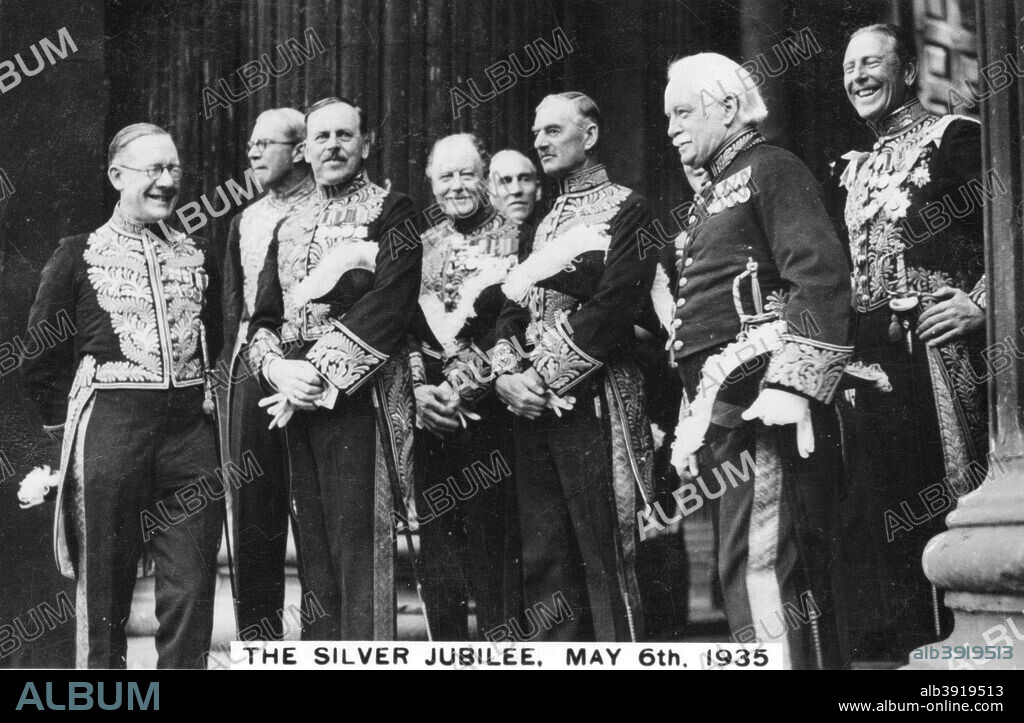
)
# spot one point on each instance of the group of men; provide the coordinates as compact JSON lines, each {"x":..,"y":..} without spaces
{"x":472,"y":372}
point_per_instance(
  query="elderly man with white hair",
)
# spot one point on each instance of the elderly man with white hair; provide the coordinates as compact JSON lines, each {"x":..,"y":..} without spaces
{"x":464,"y":504}
{"x":760,"y":339}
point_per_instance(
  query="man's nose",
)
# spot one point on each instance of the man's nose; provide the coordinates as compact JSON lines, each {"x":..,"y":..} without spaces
{"x":166,"y":180}
{"x":333,"y":141}
{"x":514,"y":189}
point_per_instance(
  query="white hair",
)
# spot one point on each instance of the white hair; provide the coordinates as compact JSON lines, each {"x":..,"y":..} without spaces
{"x":720,"y":77}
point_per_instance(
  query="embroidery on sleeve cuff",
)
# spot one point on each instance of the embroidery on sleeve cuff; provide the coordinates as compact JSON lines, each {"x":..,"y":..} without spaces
{"x":560,"y":363}
{"x":344,"y":359}
{"x":505,"y":359}
{"x":417,"y":369}
{"x":809,"y":368}
{"x":979,"y":295}
{"x":263,"y":347}
{"x":469,"y":373}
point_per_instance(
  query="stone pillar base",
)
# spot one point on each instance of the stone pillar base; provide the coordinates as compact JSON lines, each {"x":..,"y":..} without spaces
{"x":996,"y":621}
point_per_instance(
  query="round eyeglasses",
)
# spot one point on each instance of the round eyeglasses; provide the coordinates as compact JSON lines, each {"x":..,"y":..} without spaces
{"x":154,"y":172}
{"x":261,"y":145}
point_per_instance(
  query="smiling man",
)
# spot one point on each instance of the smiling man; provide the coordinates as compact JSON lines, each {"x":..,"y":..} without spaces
{"x":759,"y":258}
{"x":467,"y":529}
{"x":515,"y":186}
{"x":337,"y":291}
{"x":914,"y":215}
{"x":126,"y":395}
{"x":258,"y":510}
{"x":581,"y":433}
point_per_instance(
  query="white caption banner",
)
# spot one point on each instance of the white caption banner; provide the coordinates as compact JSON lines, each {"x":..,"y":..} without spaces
{"x":504,"y":655}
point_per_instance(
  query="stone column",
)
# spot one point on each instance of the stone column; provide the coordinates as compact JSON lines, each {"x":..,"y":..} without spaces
{"x":979,"y":560}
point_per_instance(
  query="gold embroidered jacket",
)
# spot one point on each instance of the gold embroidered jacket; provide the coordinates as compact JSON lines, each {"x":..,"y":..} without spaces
{"x":760,"y":246}
{"x":573,"y":302}
{"x":464,"y":265}
{"x":141,"y":302}
{"x":248,"y":240}
{"x":339,"y":283}
{"x":914,"y":207}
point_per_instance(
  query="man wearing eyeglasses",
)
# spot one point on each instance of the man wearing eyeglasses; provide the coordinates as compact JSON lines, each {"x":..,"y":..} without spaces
{"x":340,"y":283}
{"x":258,"y":510}
{"x":125,"y":393}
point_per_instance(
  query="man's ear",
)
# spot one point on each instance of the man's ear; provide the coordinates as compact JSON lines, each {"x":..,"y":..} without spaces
{"x":115,"y":175}
{"x":298,"y":152}
{"x":730,"y":109}
{"x":910,"y":73}
{"x":364,"y":145}
{"x":590,"y":136}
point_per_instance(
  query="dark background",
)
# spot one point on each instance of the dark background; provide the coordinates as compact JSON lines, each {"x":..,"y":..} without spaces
{"x":141,"y":61}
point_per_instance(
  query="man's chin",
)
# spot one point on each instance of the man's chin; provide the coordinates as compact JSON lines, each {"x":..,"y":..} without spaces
{"x":156,"y":212}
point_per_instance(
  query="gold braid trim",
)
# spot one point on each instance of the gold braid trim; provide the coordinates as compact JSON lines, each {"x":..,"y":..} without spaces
{"x":810,"y":368}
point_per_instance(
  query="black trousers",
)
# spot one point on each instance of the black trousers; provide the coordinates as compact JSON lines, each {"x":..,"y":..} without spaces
{"x":567,"y":518}
{"x":776,"y":522}
{"x":261,"y":512}
{"x":145,"y":472}
{"x":895,"y":454}
{"x":332,"y":455}
{"x":468,"y":529}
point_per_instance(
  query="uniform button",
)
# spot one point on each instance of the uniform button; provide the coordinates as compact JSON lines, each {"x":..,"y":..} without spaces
{"x":863,"y":278}
{"x":680,"y":302}
{"x":689,"y":261}
{"x":677,"y":345}
{"x":864,"y":297}
{"x":676,"y":323}
{"x":862,"y":258}
{"x":682,"y":282}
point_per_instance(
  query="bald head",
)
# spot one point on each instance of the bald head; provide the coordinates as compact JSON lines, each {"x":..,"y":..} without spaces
{"x":515,"y":188}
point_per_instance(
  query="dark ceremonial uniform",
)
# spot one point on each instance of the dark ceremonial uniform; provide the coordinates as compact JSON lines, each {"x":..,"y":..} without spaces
{"x":573,"y":305}
{"x":914,"y":212}
{"x":338,"y":288}
{"x":465,"y":501}
{"x":139,"y":454}
{"x":257,"y":510}
{"x":761,"y":301}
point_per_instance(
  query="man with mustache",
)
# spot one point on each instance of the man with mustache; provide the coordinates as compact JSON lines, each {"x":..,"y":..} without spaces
{"x":335,"y":296}
{"x":465,"y":502}
{"x":515,"y":186}
{"x":125,"y":393}
{"x":583,"y":442}
{"x":914,"y":214}
{"x":258,"y":512}
{"x":759,"y":338}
